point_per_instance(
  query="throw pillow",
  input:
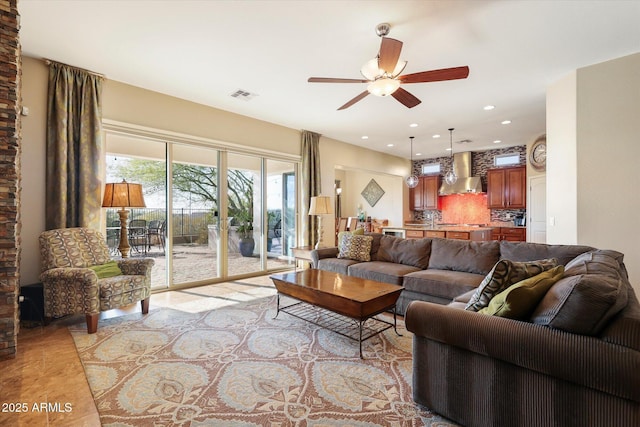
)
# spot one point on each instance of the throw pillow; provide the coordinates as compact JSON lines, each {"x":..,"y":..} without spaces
{"x":493,"y":283}
{"x":355,"y":247}
{"x":504,"y":274}
{"x":108,"y":269}
{"x":519,"y":300}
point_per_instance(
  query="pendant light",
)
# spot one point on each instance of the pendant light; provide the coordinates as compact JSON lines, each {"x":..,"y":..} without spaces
{"x":412,"y":180}
{"x":451,"y":177}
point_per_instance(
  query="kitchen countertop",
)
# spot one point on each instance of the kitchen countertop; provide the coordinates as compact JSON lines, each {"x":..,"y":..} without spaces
{"x":461,"y":227}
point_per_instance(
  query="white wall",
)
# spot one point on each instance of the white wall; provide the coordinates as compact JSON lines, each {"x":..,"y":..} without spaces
{"x":596,"y":194}
{"x":561,"y":162}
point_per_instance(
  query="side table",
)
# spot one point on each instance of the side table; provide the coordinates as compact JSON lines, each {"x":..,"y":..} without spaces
{"x":302,"y":253}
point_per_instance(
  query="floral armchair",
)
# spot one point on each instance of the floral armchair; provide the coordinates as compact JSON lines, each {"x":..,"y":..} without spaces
{"x":70,"y":286}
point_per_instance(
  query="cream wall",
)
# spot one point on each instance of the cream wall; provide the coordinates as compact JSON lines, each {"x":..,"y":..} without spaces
{"x":388,"y":207}
{"x":596,"y":194}
{"x":129,"y":104}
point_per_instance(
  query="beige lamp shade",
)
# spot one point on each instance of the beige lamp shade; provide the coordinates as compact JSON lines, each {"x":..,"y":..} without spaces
{"x":123,"y":195}
{"x":320,"y":205}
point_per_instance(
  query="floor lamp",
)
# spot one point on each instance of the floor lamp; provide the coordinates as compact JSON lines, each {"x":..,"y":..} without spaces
{"x":320,"y":205}
{"x":123,"y":195}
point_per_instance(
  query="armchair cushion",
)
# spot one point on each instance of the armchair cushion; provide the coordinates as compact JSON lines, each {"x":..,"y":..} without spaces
{"x":108,"y":269}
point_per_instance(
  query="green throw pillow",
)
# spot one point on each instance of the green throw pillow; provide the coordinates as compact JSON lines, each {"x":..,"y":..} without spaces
{"x":518,"y":301}
{"x":108,"y":269}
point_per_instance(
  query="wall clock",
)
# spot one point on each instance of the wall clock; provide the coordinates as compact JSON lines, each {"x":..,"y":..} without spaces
{"x":538,"y":154}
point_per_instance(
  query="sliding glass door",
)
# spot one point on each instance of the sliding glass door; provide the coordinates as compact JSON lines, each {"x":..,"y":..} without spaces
{"x":230,"y":214}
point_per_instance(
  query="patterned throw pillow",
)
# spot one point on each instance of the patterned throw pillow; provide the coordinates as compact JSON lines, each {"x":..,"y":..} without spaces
{"x":355,"y":247}
{"x":519,"y":300}
{"x":504,"y":274}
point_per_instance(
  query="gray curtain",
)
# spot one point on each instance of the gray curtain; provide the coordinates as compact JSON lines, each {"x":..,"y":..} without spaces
{"x":310,"y":185}
{"x":74,"y":148}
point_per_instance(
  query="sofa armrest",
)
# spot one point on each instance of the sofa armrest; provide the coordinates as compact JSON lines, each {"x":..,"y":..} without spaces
{"x":576,"y":358}
{"x":318,"y":254}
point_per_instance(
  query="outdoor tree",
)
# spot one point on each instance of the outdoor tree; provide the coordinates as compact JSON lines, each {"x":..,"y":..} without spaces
{"x":190,"y":182}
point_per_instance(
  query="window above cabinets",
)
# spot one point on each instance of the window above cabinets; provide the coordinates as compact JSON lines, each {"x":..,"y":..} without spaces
{"x":431,"y":169}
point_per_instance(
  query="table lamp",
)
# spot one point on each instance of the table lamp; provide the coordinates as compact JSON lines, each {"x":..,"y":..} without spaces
{"x":123,"y":195}
{"x":320,"y":205}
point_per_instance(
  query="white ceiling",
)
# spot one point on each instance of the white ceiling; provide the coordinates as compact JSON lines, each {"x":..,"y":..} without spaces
{"x":205,"y":50}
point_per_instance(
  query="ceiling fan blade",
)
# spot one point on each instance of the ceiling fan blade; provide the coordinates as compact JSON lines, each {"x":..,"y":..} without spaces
{"x":436,"y":75}
{"x":405,"y":98}
{"x":332,"y":80}
{"x":389,"y":54}
{"x":354,"y":100}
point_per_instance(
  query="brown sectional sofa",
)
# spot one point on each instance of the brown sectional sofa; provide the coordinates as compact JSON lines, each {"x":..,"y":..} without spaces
{"x":574,"y":362}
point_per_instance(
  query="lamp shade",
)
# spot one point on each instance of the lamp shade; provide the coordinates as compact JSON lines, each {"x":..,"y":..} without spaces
{"x":123,"y":195}
{"x":320,"y":205}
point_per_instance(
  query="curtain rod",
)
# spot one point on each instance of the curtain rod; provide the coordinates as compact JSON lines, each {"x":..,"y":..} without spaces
{"x":49,"y":62}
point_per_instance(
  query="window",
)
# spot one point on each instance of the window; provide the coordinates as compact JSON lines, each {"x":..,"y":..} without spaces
{"x":507,"y":159}
{"x":431,"y":168}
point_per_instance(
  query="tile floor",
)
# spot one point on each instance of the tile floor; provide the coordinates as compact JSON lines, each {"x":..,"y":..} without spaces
{"x":47,"y":370}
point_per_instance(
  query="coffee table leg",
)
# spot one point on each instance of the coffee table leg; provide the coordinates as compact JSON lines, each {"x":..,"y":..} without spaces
{"x":395,"y":323}
{"x":277,"y":305}
{"x":360,"y":340}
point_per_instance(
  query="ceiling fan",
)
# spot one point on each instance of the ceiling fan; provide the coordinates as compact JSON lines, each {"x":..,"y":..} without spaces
{"x":383,"y":73}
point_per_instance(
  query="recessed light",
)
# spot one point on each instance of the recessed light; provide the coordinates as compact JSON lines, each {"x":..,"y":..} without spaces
{"x":389,"y":145}
{"x":506,"y":122}
{"x":497,"y":141}
{"x":488,"y":107}
{"x":365,"y":137}
{"x":448,"y":149}
{"x":418,"y":154}
{"x":413,"y":125}
{"x":436,"y":136}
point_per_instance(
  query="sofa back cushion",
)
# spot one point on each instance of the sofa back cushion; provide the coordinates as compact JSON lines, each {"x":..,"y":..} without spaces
{"x":464,"y":255}
{"x":582,"y":304}
{"x":413,"y":252}
{"x":601,"y":261}
{"x":524,"y":251}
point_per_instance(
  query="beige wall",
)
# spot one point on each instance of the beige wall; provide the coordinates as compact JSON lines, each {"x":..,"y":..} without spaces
{"x":593,"y":185}
{"x":129,"y":104}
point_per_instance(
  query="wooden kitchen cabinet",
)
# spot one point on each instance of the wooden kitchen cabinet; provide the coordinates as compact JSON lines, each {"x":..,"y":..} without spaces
{"x":511,"y":234}
{"x":507,"y":188}
{"x":425,"y":195}
{"x":413,"y":234}
{"x":433,"y":233}
{"x":461,"y":235}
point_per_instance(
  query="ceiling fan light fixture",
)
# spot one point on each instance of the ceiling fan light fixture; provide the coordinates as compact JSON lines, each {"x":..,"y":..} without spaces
{"x":383,"y":87}
{"x":370,"y":70}
{"x":399,"y":68}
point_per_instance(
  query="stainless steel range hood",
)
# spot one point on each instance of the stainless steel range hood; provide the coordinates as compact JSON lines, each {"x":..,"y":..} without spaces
{"x":466,"y":183}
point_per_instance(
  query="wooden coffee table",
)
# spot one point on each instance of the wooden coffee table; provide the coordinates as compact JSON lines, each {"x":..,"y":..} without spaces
{"x":344,"y":304}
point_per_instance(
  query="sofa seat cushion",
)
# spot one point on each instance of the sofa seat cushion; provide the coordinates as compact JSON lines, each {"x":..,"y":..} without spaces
{"x":464,"y":255}
{"x":413,"y":252}
{"x":525,"y":251}
{"x":442,"y":283}
{"x":337,"y":265}
{"x":386,"y":272}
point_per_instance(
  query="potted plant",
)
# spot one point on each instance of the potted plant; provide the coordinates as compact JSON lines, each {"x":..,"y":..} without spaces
{"x":245,"y":232}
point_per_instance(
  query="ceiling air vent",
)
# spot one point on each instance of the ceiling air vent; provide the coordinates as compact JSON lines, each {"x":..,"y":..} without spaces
{"x":244,"y":95}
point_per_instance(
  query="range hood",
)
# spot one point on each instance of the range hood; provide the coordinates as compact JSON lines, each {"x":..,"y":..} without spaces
{"x":465,"y":183}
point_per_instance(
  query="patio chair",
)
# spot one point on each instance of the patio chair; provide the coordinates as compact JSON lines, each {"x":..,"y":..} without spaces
{"x":138,"y":237}
{"x":71,"y":259}
{"x":155,"y":233}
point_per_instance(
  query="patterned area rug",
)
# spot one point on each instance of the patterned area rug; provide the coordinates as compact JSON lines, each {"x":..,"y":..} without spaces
{"x":237,"y":366}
